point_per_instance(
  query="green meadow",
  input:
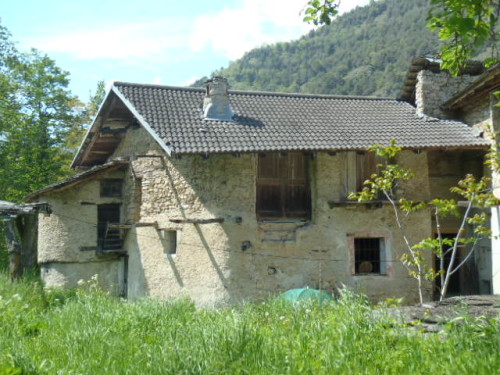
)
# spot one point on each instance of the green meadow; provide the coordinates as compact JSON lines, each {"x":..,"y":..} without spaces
{"x":84,"y":331}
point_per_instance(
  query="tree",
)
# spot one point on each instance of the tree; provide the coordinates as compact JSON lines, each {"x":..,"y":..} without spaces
{"x":415,"y":258}
{"x":37,"y":112}
{"x":463,"y":25}
{"x":86,"y":114}
{"x":38,"y":118}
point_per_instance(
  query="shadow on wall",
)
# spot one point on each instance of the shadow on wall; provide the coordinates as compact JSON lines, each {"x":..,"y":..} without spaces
{"x":137,"y":284}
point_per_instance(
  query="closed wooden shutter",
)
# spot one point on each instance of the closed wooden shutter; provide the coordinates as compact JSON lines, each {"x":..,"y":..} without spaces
{"x":283,"y":186}
{"x":366,"y":165}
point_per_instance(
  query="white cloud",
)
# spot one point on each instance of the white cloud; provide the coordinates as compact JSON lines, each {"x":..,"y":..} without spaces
{"x":190,"y":81}
{"x":347,"y":5}
{"x":157,"y":80}
{"x":229,"y":32}
{"x":233,"y":31}
{"x":134,"y":40}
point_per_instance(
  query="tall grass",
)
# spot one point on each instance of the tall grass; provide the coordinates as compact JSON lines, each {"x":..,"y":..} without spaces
{"x":87,"y":332}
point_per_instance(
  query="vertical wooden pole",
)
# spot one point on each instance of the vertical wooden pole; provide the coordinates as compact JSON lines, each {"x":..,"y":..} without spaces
{"x":13,"y":249}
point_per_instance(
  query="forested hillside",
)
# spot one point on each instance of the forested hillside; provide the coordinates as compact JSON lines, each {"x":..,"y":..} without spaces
{"x":364,"y":52}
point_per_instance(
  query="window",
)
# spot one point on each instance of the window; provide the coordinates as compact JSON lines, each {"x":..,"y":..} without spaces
{"x":108,"y":239}
{"x":169,"y":242}
{"x":111,"y":188}
{"x":369,"y":256}
{"x":283,"y":186}
{"x":359,"y":168}
{"x":366,"y":165}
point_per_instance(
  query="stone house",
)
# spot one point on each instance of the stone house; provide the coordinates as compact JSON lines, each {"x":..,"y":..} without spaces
{"x":225,"y":196}
{"x":468,"y":98}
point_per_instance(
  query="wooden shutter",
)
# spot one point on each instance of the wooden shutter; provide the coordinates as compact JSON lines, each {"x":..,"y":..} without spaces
{"x":298,"y":197}
{"x":283,"y":186}
{"x":366,"y":165}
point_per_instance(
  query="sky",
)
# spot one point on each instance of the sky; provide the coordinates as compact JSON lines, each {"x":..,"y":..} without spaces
{"x":171,"y":42}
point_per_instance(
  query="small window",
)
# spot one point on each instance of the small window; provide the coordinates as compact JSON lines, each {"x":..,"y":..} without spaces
{"x":283,"y":186}
{"x":369,"y":256}
{"x":111,"y":188}
{"x":170,"y":242}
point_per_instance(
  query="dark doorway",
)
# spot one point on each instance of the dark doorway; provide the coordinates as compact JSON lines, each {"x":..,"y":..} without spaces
{"x":108,"y":239}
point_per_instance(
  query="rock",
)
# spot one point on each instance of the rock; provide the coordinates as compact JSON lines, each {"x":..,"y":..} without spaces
{"x":432,"y":316}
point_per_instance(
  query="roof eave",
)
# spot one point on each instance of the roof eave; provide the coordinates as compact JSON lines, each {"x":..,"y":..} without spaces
{"x":485,"y":83}
{"x":141,"y":120}
{"x":486,"y":145}
{"x":91,"y":131}
{"x":77,"y":179}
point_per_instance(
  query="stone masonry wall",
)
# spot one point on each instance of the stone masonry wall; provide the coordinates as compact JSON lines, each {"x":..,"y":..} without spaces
{"x":242,"y":258}
{"x":433,"y":89}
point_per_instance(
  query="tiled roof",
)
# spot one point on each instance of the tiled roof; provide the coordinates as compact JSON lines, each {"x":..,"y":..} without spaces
{"x":280,"y":122}
{"x":78,"y":178}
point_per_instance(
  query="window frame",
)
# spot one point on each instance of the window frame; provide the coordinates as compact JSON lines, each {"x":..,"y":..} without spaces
{"x":359,"y":166}
{"x":170,"y":242}
{"x":385,"y":243}
{"x":288,"y":174}
{"x":108,"y":209}
{"x":111,"y":188}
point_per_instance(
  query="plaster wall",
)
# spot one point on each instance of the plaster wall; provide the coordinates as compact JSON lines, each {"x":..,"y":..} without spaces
{"x":67,"y":238}
{"x":69,"y":275}
{"x":241,"y":258}
{"x":212,"y":263}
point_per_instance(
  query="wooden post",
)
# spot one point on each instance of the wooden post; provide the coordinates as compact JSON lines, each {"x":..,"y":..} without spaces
{"x":29,"y":238}
{"x":13,"y":249}
{"x":21,"y":232}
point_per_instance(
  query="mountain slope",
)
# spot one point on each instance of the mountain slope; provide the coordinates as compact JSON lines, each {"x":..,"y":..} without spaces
{"x":364,"y":52}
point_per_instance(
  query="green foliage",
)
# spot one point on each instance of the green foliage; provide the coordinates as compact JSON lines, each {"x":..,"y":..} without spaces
{"x":464,"y":26}
{"x":36,"y":115}
{"x":477,"y":194}
{"x":89,"y":333}
{"x":364,"y":52}
{"x":321,"y":12}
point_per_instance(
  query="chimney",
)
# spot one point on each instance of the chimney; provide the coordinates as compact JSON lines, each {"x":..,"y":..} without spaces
{"x":216,"y":103}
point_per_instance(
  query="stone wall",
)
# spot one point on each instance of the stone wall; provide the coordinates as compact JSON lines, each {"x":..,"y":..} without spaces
{"x":240,"y":258}
{"x":433,"y":89}
{"x":243,"y":258}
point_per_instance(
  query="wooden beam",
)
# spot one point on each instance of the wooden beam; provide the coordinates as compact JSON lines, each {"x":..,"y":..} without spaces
{"x":198,"y":221}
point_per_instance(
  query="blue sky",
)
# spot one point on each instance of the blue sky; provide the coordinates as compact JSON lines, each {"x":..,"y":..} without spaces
{"x":150,"y":41}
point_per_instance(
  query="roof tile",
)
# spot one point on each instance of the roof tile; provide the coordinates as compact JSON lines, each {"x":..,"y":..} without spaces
{"x":280,"y":122}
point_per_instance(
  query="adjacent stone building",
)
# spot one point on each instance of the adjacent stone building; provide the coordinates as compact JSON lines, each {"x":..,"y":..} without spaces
{"x":226,"y":196}
{"x":469,"y":98}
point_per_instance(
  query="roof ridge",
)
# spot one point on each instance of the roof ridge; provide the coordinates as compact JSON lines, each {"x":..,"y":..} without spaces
{"x":155,"y":85}
{"x":256,"y":93}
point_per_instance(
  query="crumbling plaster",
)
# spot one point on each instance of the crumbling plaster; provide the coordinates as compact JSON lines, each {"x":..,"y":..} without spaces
{"x":210,"y":265}
{"x":68,"y":237}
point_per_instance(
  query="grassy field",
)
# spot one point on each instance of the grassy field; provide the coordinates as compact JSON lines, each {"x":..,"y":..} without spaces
{"x":86,"y":332}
